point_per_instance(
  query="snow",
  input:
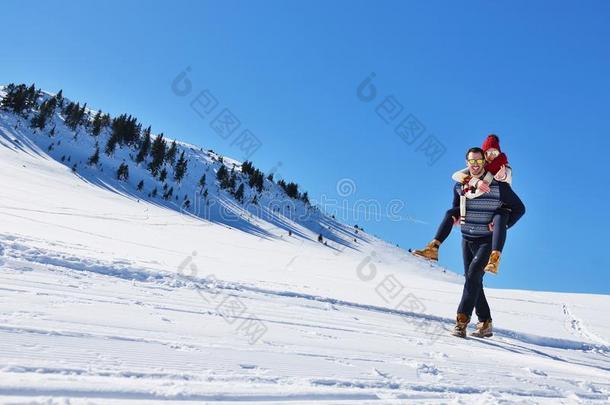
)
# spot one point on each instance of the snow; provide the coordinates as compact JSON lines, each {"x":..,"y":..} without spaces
{"x":110,"y":297}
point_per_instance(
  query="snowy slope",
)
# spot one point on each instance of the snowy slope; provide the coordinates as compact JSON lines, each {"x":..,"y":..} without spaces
{"x":107,"y":297}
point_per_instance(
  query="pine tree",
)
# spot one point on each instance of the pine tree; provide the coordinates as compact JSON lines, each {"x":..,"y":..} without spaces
{"x":144,"y":146}
{"x":168,"y":194}
{"x":81,"y":115}
{"x":239,"y":194}
{"x":111,"y":145}
{"x":232,"y":182}
{"x":47,"y":109}
{"x":95,"y":158}
{"x":158,"y":154}
{"x":222,"y":175}
{"x":257,"y":179}
{"x":180,"y":169}
{"x":126,"y":129}
{"x":140,"y":185}
{"x":68,"y":110}
{"x":247,"y":167}
{"x":202,"y":182}
{"x":73,"y":115}
{"x":97,"y":124}
{"x":170,"y":156}
{"x":59,"y":98}
{"x":16,"y":98}
{"x":123,"y":172}
{"x":163,"y":175}
{"x":32,"y":95}
{"x":154,"y":192}
{"x":106,"y":120}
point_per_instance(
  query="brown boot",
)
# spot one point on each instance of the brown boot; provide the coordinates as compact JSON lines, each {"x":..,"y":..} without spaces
{"x":461,"y":323}
{"x":494,"y":262}
{"x":484,"y":329}
{"x":430,"y":252}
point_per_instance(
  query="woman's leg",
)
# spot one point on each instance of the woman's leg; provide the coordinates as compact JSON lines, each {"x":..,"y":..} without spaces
{"x":498,"y":238}
{"x":431,"y":250}
{"x":500,"y":220}
{"x":444,"y":228}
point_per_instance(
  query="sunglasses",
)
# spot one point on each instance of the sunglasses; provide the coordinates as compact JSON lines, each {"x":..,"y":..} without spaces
{"x":494,"y":153}
{"x":477,"y":161}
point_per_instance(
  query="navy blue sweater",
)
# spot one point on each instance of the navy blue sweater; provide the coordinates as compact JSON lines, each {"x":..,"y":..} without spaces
{"x":480,"y":210}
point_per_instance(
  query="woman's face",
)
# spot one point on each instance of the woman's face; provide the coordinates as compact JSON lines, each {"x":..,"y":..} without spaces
{"x":491,"y":154}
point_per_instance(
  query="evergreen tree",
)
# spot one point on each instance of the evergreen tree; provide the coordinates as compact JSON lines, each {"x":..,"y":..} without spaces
{"x":123,"y":172}
{"x":144,"y":146}
{"x":163,"y":175}
{"x":257,"y":179}
{"x":202,"y":182}
{"x":68,"y":110}
{"x":95,"y":158}
{"x":180,"y":169}
{"x":168,"y":194}
{"x":222,"y":175}
{"x":232,"y":182}
{"x":111,"y":145}
{"x":46,"y":111}
{"x":81,"y":115}
{"x":154,"y":192}
{"x":97,"y":123}
{"x":158,"y":154}
{"x":106,"y":120}
{"x":59,"y":98}
{"x":247,"y":167}
{"x":73,"y":115}
{"x":31,"y":96}
{"x":140,"y":185}
{"x":16,"y":98}
{"x":239,"y":194}
{"x":170,"y":156}
{"x":126,"y":129}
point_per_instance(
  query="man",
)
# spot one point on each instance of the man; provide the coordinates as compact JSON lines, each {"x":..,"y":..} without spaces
{"x":477,"y":241}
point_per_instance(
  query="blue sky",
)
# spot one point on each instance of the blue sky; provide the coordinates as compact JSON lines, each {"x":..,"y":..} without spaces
{"x":536,"y":73}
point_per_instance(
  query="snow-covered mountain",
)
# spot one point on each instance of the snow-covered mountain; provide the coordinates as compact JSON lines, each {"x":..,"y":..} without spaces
{"x":110,"y":295}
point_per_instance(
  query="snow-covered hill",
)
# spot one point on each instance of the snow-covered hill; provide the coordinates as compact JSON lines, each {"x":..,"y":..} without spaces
{"x":111,"y":296}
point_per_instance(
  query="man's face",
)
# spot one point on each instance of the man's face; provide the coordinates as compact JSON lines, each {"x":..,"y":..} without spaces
{"x":475,"y":163}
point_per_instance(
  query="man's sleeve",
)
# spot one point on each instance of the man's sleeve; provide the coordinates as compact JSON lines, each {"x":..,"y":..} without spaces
{"x":456,"y":198}
{"x":512,"y":201}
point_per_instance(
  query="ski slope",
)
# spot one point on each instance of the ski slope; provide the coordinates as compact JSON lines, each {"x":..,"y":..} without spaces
{"x":106,"y":298}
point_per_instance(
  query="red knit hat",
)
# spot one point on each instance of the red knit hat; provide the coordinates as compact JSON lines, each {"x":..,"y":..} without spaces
{"x":491,"y":142}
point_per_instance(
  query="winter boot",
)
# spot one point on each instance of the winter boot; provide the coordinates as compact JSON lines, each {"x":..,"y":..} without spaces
{"x":484,"y":329}
{"x":494,"y":262}
{"x":430,"y":252}
{"x":461,"y":323}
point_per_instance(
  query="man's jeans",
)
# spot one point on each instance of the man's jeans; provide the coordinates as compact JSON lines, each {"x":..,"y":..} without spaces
{"x":476,"y":255}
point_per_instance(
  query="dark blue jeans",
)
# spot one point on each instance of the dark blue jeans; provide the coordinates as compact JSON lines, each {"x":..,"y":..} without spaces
{"x":476,"y":255}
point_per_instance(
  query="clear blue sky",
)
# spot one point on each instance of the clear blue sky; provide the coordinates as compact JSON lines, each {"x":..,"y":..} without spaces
{"x":536,"y":73}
